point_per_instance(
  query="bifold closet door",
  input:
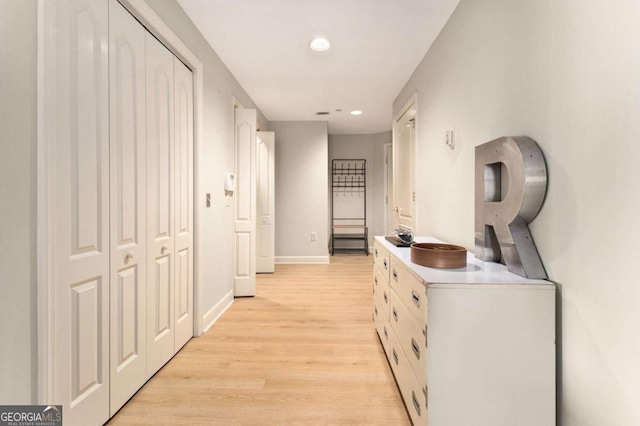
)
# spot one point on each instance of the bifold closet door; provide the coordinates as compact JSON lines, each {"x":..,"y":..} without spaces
{"x":183,"y":78}
{"x":128,"y":280}
{"x":161,"y":205}
{"x":78,"y":108}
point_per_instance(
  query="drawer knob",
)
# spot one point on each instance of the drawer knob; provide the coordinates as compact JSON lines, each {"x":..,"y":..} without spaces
{"x":375,"y":310}
{"x":384,"y":262}
{"x":395,"y":275}
{"x":386,"y":298}
{"x":395,"y":314}
{"x":386,"y":333}
{"x":395,"y":356}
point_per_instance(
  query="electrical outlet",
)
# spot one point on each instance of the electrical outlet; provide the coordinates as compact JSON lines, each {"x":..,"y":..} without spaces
{"x":314,"y":236}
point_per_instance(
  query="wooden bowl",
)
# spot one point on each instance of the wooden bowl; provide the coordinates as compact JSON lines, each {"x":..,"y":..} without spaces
{"x":436,"y":255}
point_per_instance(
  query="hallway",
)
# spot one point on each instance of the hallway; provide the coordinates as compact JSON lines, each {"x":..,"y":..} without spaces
{"x":303,"y":351}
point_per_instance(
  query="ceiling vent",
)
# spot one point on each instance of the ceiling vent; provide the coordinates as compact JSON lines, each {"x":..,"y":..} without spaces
{"x":322,"y":113}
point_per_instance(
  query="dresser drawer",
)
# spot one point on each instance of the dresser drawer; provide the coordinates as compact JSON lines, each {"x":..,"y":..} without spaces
{"x":381,"y":260}
{"x":381,"y":292}
{"x":411,"y":291}
{"x":411,"y":338}
{"x":381,"y":325}
{"x":413,"y":394}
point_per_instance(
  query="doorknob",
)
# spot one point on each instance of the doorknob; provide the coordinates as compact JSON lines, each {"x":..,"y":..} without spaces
{"x":396,"y":209}
{"x":164,"y":249}
{"x":128,"y":256}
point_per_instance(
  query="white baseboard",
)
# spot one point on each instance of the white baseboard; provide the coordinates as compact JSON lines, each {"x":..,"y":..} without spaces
{"x":216,"y":312}
{"x":302,"y":260}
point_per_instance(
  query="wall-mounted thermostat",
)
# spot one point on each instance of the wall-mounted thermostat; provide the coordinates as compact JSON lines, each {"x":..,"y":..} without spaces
{"x":229,"y":182}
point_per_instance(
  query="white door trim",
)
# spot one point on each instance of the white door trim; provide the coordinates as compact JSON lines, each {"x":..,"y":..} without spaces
{"x":387,"y":196}
{"x":46,"y":188}
{"x":45,"y":194}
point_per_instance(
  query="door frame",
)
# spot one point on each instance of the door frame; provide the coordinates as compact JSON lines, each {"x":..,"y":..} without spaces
{"x":388,"y":191}
{"x":46,"y":188}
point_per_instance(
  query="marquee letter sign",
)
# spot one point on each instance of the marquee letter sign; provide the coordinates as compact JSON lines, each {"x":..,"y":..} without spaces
{"x":511,"y":183}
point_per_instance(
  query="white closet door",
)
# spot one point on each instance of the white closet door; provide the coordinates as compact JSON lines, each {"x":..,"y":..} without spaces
{"x":81,"y":298}
{"x":160,"y":202}
{"x":245,"y":207}
{"x":183,"y":203}
{"x":128,"y":206}
{"x":265,"y":235}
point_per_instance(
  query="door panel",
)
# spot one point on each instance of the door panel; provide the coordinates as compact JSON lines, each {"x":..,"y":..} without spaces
{"x":245,"y":208}
{"x":265,"y":236}
{"x":85,"y":337}
{"x":127,"y":345}
{"x":183,"y":203}
{"x":81,"y":258}
{"x":160,"y":202}
{"x":128,"y":205}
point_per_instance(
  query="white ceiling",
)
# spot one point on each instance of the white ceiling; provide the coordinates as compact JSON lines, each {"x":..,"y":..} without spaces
{"x":375,"y":47}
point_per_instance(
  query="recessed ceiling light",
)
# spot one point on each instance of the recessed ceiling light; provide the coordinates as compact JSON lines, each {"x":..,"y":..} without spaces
{"x":356,"y":112}
{"x":319,"y":44}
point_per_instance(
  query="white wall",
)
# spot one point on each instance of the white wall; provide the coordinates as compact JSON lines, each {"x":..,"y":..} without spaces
{"x":216,"y":241}
{"x":567,"y":75}
{"x":370,"y":148}
{"x":18,"y":60}
{"x":302,"y":203}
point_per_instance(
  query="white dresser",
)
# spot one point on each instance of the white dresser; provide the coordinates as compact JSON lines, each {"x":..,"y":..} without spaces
{"x":468,"y":347}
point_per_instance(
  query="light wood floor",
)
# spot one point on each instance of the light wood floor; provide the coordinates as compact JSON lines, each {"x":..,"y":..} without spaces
{"x":303,"y":351}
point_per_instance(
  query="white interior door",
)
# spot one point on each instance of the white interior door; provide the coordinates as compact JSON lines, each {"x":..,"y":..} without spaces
{"x":160,"y":203}
{"x":265,"y":236}
{"x":403,"y":169}
{"x":245,"y":205}
{"x":81,"y":259}
{"x":183,"y":78}
{"x":128,"y":205}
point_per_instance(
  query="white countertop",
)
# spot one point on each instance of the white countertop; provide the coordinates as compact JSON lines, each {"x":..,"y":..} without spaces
{"x":476,"y":271}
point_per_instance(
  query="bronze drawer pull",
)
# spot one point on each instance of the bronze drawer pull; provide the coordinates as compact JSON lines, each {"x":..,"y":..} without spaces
{"x":416,"y":404}
{"x":416,"y":298}
{"x":415,"y":347}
